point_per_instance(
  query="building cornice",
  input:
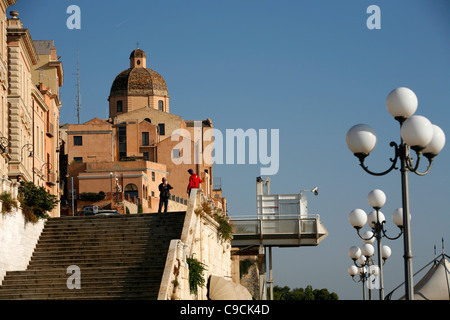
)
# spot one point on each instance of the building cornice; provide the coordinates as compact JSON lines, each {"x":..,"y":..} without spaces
{"x":89,"y":132}
{"x":23,"y":34}
{"x":59,"y":70}
{"x":8,"y":3}
{"x":37,"y":95}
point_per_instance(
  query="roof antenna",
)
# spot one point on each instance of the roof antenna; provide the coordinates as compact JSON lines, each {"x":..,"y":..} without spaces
{"x":78,"y":87}
{"x":137,"y":47}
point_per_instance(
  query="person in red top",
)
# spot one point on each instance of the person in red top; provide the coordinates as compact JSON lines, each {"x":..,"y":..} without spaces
{"x":194,"y":181}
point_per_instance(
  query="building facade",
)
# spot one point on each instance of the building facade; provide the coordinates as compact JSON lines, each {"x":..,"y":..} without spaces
{"x":140,"y":140}
{"x":30,"y":75}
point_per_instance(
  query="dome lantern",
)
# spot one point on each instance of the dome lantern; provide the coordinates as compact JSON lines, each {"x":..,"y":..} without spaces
{"x":138,"y":59}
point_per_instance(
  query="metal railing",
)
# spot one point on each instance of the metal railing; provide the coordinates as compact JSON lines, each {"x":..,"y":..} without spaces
{"x":274,"y":224}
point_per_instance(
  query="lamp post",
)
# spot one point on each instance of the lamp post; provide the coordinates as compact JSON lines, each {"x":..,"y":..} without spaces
{"x":364,"y":266}
{"x":376,"y":221}
{"x":49,"y":168}
{"x":29,"y":146}
{"x":417,"y":134}
{"x":4,"y":144}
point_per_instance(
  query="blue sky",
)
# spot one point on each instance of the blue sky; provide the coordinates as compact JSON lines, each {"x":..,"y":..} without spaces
{"x":311,"y":69}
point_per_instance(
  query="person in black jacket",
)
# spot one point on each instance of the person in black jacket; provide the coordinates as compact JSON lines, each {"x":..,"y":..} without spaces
{"x":164,"y":195}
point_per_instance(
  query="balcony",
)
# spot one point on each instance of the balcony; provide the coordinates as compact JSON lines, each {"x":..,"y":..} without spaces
{"x":50,"y":130}
{"x":277,"y":231}
{"x":51,"y":179}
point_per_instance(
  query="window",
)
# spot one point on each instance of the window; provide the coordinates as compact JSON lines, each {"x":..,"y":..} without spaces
{"x":153,"y":176}
{"x":175,"y":153}
{"x":131,"y":190}
{"x":145,"y":139}
{"x":162,"y":129}
{"x":122,"y":134}
{"x":77,"y":140}
{"x":161,"y":105}
{"x":146,"y":157}
{"x":77,"y":159}
{"x":119,"y":106}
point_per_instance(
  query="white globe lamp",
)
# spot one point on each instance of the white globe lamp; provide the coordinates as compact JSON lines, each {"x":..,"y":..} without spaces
{"x":402,"y":103}
{"x":361,"y":139}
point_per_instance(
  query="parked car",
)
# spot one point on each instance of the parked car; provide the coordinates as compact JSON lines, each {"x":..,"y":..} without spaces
{"x":84,"y":213}
{"x":108,"y":213}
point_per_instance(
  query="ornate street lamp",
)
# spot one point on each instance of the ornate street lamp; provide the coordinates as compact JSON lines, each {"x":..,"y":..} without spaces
{"x":376,"y":221}
{"x":29,"y":147}
{"x":4,"y":144}
{"x":363,"y":266}
{"x":417,"y":134}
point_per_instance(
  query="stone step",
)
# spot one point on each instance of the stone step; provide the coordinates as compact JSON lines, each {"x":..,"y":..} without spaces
{"x":90,"y":244}
{"x":89,"y":263}
{"x":100,"y":271}
{"x":108,"y":223}
{"x":120,"y":257}
{"x":85,"y":237}
{"x":113,"y":219}
{"x":137,"y":282}
{"x":89,"y":293}
{"x":61,"y":276}
{"x":100,"y":256}
{"x":118,"y":250}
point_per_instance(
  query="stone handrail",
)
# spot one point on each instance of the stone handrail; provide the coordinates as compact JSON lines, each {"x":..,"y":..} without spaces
{"x":196,"y":236}
{"x":174,"y":271}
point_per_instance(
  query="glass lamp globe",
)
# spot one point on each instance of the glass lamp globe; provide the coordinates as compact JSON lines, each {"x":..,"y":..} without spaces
{"x":361,"y":139}
{"x":437,"y":142}
{"x":354,"y":252}
{"x":417,"y":132}
{"x":376,"y":198}
{"x":402,"y":103}
{"x":367,"y":250}
{"x":372,"y":218}
{"x":397,"y":217}
{"x":385,"y":252}
{"x":368,"y":237}
{"x":362,"y":270}
{"x":357,"y":218}
{"x":353,"y":270}
{"x":362,"y":260}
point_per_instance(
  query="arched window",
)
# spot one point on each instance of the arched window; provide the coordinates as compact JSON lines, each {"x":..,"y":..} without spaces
{"x":131,"y":190}
{"x":161,"y":105}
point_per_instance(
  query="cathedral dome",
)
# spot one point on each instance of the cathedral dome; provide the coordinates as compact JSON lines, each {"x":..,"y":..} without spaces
{"x":138,"y":80}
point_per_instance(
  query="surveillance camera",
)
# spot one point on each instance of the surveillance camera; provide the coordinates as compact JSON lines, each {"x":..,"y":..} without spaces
{"x":316,"y":191}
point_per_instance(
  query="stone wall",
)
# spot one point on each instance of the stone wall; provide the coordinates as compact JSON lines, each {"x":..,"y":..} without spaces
{"x":200,"y":240}
{"x":18,"y":238}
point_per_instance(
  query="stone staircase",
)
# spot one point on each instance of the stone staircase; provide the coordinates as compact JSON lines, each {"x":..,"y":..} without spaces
{"x":119,"y":257}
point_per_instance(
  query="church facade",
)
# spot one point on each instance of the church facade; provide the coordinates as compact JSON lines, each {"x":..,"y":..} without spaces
{"x":127,"y":155}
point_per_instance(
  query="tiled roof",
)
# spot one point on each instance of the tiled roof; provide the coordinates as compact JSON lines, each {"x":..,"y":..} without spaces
{"x":139,"y":81}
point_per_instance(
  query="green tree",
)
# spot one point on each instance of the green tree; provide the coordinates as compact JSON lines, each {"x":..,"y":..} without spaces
{"x":308,"y":293}
{"x":36,"y":201}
